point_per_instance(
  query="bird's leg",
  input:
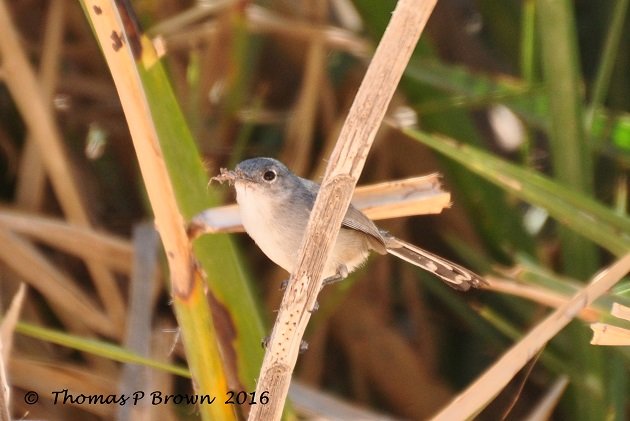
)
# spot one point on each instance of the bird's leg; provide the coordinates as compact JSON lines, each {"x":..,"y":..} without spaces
{"x":342,"y":273}
{"x":264,"y":343}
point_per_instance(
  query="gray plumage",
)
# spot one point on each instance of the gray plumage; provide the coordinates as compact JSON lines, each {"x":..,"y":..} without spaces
{"x":275,"y":206}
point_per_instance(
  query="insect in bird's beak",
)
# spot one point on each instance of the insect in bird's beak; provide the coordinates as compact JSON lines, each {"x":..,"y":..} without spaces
{"x":226,"y":175}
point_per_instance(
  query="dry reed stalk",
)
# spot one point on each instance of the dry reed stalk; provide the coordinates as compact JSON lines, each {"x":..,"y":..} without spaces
{"x":162,"y":350}
{"x":138,"y":336}
{"x":345,"y":165}
{"x":262,"y":20}
{"x":125,"y":49}
{"x":188,"y":17}
{"x":611,"y":335}
{"x":620,"y":311}
{"x":314,"y":404}
{"x":544,"y":409}
{"x":71,"y":305}
{"x":45,"y":376}
{"x":6,"y":345}
{"x":83,"y":242}
{"x":302,"y":120}
{"x":489,"y":384}
{"x":605,"y":334}
{"x":539,"y":295}
{"x":157,"y":182}
{"x":29,"y":191}
{"x":391,"y":199}
{"x":9,"y":319}
{"x":36,"y":112}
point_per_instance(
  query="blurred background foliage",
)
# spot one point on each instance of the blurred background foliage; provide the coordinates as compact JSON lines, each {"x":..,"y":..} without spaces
{"x":543,"y":85}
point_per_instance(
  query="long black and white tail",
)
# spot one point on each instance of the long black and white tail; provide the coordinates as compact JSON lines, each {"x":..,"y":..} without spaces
{"x":454,"y":275}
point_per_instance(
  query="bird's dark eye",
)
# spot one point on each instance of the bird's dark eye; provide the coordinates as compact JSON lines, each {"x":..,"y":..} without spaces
{"x":269,"y":175}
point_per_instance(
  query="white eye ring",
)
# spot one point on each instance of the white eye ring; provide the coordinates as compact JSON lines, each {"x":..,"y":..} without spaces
{"x":270,"y":176}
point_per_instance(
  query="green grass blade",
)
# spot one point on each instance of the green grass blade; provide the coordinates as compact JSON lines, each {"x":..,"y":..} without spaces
{"x":230,"y":289}
{"x":528,"y":40}
{"x":96,"y":347}
{"x":473,"y":90}
{"x":574,"y":210}
{"x":607,"y":63}
{"x":571,"y":158}
{"x":469,"y":89}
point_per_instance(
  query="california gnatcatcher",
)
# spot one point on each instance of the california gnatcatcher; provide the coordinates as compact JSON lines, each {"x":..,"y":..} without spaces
{"x":275,"y":206}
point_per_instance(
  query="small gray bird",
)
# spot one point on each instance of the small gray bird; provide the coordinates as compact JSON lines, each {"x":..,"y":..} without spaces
{"x":275,"y":206}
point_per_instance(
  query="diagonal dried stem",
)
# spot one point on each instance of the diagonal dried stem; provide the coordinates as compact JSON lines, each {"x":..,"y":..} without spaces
{"x":29,"y":191}
{"x":490,"y":383}
{"x":391,"y":199}
{"x":606,"y":334}
{"x":344,"y":168}
{"x":7,"y":328}
{"x":72,"y":306}
{"x":130,"y":55}
{"x":302,"y":120}
{"x":83,"y":242}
